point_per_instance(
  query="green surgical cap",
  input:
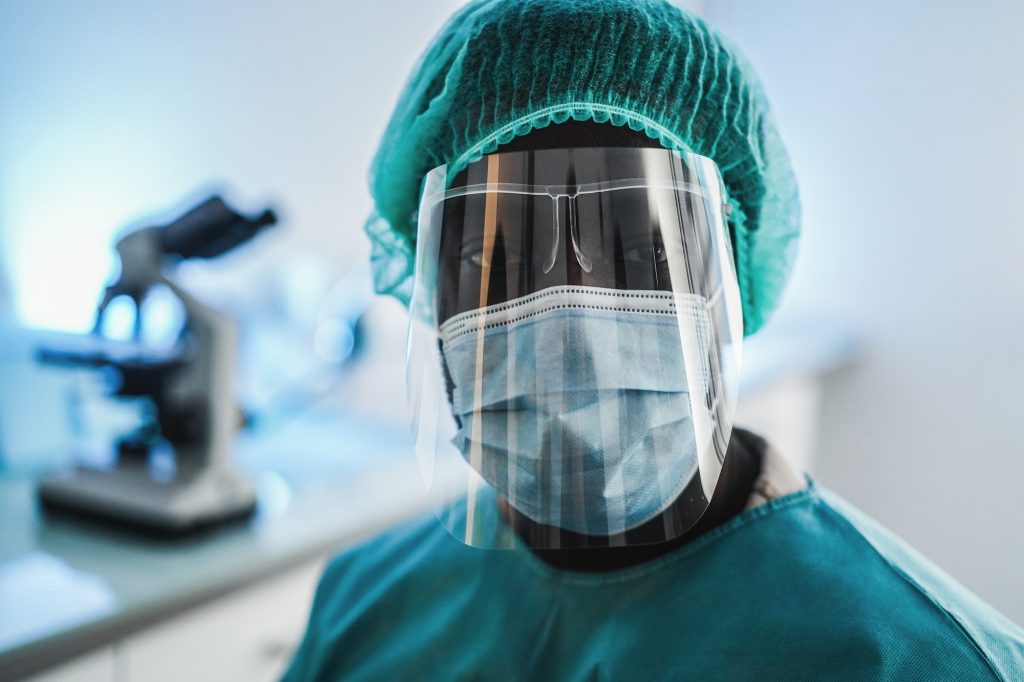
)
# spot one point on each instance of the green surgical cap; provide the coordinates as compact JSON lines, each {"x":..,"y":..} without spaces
{"x":501,"y":68}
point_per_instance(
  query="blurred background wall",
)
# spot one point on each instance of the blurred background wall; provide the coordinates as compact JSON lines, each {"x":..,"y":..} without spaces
{"x":905,"y":122}
{"x":114,"y":110}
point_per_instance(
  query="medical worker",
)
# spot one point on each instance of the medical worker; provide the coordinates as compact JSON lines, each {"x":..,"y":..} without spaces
{"x":586,"y":206}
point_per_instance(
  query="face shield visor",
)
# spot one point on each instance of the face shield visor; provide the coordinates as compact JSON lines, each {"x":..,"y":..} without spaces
{"x":574,"y":346}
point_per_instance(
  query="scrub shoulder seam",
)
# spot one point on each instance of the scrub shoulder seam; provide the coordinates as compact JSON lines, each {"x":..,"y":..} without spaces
{"x":956,"y":623}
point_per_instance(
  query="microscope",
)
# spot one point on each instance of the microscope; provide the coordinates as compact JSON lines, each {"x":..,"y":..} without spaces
{"x":174,"y":473}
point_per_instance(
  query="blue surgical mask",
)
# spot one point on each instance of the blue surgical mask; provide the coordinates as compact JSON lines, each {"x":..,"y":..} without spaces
{"x":574,"y":402}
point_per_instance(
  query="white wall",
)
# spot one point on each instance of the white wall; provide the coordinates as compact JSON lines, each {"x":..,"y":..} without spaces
{"x":111,"y":110}
{"x":906,"y":124}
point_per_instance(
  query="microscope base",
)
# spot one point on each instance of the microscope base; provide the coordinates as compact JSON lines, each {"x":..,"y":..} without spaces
{"x":131,"y":495}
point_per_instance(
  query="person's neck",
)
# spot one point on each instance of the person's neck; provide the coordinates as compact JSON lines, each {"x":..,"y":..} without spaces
{"x":740,"y":470}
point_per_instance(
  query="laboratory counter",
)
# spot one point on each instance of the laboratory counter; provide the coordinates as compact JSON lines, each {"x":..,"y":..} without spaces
{"x":68,"y":587}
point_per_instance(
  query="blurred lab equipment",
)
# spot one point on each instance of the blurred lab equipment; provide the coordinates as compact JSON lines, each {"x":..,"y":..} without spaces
{"x":174,"y":472}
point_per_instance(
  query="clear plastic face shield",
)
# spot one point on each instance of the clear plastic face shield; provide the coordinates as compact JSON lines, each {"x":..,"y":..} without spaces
{"x":574,"y":346}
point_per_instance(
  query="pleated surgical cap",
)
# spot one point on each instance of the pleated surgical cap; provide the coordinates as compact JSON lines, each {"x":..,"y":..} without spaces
{"x":501,"y":68}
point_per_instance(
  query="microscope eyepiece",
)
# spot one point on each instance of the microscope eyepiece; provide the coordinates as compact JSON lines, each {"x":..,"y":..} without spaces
{"x":210,"y":229}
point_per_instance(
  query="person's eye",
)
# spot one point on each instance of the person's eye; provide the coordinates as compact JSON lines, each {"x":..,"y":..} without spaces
{"x":474,"y":255}
{"x":647,"y":254}
{"x":477,"y":258}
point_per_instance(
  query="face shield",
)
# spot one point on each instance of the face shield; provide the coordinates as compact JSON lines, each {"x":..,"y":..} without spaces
{"x":574,"y":346}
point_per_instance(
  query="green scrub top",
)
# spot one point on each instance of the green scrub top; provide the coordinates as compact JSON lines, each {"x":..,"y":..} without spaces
{"x":803,"y":587}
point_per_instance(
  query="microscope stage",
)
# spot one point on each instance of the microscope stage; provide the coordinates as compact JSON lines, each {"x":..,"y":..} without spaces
{"x":133,"y":496}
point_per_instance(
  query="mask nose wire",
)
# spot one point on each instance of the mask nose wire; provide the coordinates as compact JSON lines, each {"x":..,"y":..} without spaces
{"x":574,"y":233}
